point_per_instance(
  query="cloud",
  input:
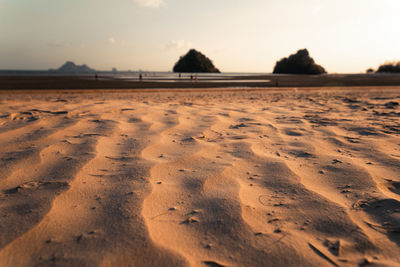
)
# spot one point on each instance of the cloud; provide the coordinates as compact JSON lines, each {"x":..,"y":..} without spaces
{"x":177,"y":44}
{"x":150,"y":3}
{"x":111,"y":41}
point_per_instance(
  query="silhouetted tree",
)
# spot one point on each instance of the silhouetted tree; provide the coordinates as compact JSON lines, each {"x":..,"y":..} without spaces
{"x":370,"y":70}
{"x":390,"y":67}
{"x":194,"y":61}
{"x":299,"y":63}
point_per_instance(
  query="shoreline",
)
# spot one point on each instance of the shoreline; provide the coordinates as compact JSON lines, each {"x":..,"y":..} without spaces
{"x":248,"y":82}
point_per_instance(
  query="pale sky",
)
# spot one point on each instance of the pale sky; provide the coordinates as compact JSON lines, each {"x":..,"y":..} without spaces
{"x":344,"y":36}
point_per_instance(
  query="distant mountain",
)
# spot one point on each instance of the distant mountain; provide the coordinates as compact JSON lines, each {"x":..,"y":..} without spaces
{"x":194,"y":61}
{"x":299,"y":63}
{"x":71,"y":67}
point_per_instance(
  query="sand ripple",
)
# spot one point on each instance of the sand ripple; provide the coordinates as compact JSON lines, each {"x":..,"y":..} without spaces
{"x":261,"y":178}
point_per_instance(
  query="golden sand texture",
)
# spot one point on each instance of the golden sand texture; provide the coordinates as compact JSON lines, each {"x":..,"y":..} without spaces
{"x":224,"y":178}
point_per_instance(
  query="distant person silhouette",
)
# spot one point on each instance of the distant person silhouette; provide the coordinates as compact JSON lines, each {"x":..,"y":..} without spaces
{"x":140,"y":77}
{"x":96,"y":77}
{"x":191,"y":78}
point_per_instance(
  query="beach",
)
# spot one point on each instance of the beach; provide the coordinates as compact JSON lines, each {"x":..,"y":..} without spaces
{"x":200,"y":177}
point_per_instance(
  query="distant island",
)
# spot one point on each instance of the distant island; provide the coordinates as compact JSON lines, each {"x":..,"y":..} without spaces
{"x":194,"y":61}
{"x":389,"y":68}
{"x":71,"y":68}
{"x":299,"y":63}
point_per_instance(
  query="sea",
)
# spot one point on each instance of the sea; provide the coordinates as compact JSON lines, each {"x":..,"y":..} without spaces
{"x":153,"y":76}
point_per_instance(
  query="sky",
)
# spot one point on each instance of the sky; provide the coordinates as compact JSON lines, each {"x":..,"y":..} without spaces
{"x":344,"y":36}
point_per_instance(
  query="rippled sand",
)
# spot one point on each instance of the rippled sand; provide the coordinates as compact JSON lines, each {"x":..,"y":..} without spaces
{"x":200,"y":178}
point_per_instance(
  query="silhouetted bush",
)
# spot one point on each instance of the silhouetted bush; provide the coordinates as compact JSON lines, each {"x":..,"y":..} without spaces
{"x":370,"y":70}
{"x":390,"y":67}
{"x":299,"y":63}
{"x":194,"y":61}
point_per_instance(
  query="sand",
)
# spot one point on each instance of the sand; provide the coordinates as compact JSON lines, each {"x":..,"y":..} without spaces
{"x":46,"y":81}
{"x":200,"y":178}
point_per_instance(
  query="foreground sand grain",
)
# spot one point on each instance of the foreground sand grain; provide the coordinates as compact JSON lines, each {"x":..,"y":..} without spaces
{"x":224,"y":178}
